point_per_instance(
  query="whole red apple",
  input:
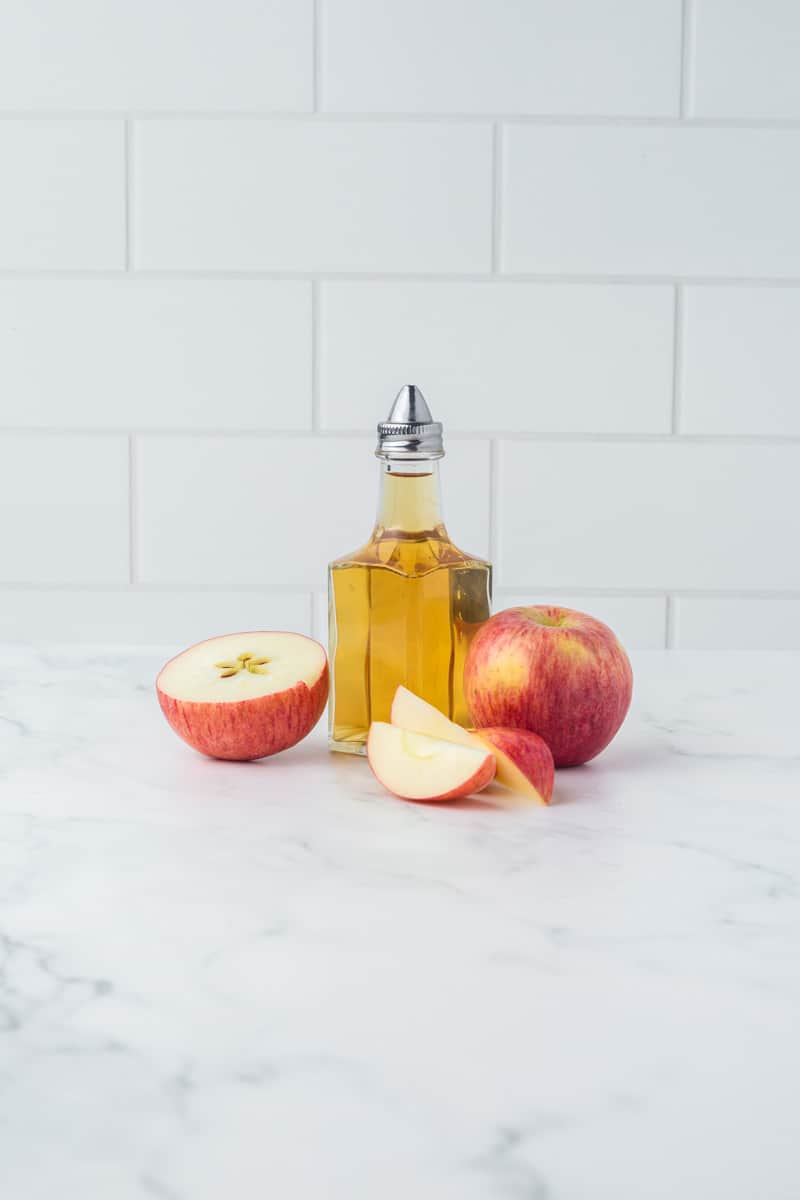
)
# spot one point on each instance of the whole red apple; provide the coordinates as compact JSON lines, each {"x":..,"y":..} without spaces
{"x":560,"y":673}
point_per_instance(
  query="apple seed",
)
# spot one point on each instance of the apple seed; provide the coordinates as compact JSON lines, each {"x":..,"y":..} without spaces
{"x":245,"y":661}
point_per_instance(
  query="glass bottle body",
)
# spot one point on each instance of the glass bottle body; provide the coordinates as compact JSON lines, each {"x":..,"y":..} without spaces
{"x":403,"y":609}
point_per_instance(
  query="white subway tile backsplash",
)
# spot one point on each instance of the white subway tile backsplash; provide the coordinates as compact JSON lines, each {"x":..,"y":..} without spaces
{"x":63,"y":509}
{"x":155,"y":353}
{"x":232,"y":237}
{"x":62,"y":197}
{"x":306,"y":196}
{"x":655,"y":515}
{"x":269,"y":511}
{"x":741,"y":361}
{"x":746,"y":58}
{"x":738,"y":623}
{"x":638,"y":621}
{"x":160,"y":618}
{"x":150,"y":55}
{"x":448,"y":56}
{"x":649,"y":200}
{"x":496,"y":356}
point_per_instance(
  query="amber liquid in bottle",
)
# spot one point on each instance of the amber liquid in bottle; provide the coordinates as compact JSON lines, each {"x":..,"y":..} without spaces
{"x":403,"y":610}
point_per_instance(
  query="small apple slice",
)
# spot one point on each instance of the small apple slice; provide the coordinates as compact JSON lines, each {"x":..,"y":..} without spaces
{"x":417,"y":767}
{"x":412,"y":712}
{"x":524,"y":761}
{"x":245,"y":695}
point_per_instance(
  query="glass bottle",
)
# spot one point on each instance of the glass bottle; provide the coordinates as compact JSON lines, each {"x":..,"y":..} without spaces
{"x":404,"y":608}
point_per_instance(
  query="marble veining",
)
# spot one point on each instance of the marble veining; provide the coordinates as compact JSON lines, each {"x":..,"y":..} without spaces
{"x":272,"y":979}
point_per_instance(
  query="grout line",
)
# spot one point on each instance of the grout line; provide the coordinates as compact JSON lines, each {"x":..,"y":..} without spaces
{"x":659,"y":593}
{"x":317,"y":54}
{"x":315,"y":356}
{"x":586,"y":120}
{"x":687,"y":60}
{"x":302,"y":588}
{"x":670,"y":623}
{"x":133,"y":546}
{"x":600,"y":439}
{"x":497,"y":197}
{"x":278,"y":589}
{"x":128,"y":203}
{"x":677,"y":360}
{"x":433,"y":277}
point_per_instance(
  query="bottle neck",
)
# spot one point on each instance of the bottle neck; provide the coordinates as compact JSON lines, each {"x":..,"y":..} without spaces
{"x":410,"y":502}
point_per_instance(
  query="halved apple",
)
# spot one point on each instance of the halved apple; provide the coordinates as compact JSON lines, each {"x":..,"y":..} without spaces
{"x":524,"y":761}
{"x":416,"y":767}
{"x":245,"y":695}
{"x":412,"y":712}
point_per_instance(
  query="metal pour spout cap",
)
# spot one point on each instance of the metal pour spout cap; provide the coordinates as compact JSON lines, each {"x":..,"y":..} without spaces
{"x":410,"y":431}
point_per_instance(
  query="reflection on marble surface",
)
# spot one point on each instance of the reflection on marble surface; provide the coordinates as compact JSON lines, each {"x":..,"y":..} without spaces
{"x":272,"y":979}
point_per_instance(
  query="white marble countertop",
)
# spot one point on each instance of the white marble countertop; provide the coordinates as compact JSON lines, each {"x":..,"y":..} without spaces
{"x":238,"y":981}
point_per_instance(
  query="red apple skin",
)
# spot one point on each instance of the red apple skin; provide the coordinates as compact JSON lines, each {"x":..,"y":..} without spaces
{"x":244,"y":730}
{"x":529,"y":753}
{"x":557,"y":672}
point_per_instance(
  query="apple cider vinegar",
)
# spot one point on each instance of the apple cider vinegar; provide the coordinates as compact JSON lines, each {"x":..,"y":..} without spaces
{"x":404,"y":608}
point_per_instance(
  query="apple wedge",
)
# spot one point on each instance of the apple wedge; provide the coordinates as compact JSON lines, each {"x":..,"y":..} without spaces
{"x":245,"y":695}
{"x":524,"y":762}
{"x":412,"y":712}
{"x":416,"y":767}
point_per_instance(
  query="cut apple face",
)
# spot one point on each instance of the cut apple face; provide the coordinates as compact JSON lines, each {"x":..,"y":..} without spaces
{"x":412,"y":712}
{"x":245,"y":695}
{"x":417,"y":767}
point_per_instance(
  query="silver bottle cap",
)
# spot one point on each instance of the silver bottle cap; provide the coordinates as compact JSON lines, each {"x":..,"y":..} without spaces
{"x":410,"y":431}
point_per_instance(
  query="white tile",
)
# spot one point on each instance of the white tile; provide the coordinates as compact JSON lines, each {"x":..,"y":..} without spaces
{"x":638,"y":621}
{"x":132,"y":616}
{"x":320,"y":629}
{"x":276,"y":510}
{"x":62,"y":198}
{"x":664,"y":515}
{"x":150,"y":55}
{"x":139,"y":353}
{"x":63,"y":508}
{"x":738,"y":623}
{"x":746,"y":58}
{"x":741,"y":361}
{"x":652,"y":200}
{"x":576,"y":56}
{"x":312,"y":196}
{"x":500,"y":356}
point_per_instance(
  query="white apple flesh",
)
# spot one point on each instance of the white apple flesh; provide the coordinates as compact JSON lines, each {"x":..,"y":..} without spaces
{"x":412,"y":712}
{"x":416,"y":767}
{"x":245,"y":695}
